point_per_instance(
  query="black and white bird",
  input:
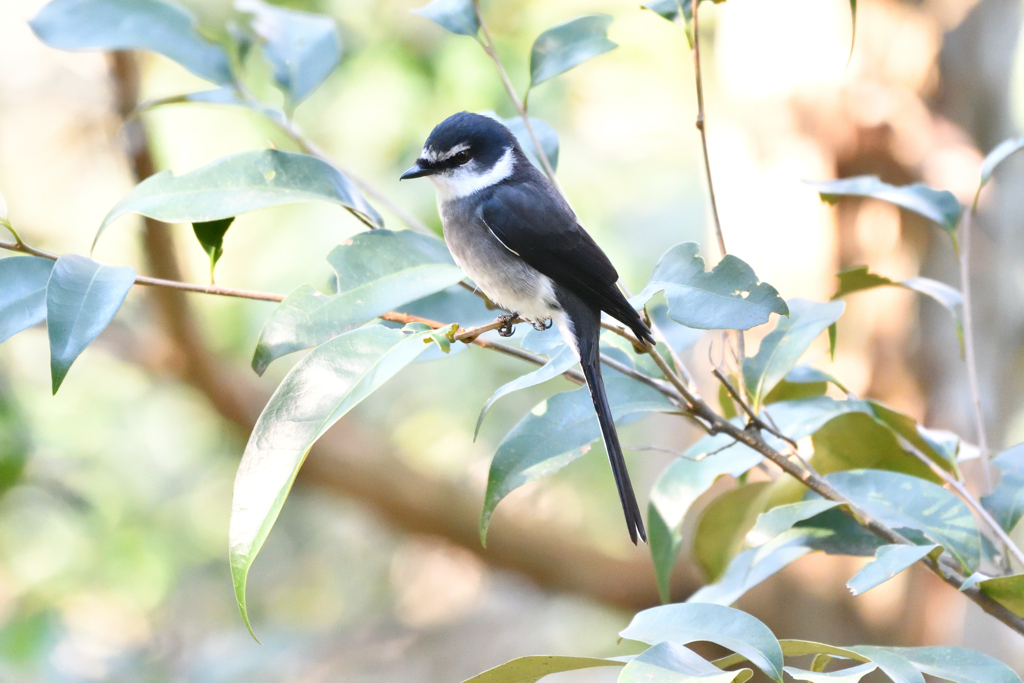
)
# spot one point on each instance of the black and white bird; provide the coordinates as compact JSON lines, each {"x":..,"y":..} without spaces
{"x":515,"y":236}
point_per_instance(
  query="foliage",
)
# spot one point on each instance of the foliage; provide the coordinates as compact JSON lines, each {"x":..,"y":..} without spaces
{"x":871,"y":483}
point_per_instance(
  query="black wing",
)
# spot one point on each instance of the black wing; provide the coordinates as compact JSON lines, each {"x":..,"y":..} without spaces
{"x":535,"y":223}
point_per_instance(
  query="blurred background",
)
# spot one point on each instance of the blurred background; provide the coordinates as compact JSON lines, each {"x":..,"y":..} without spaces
{"x":113,"y":520}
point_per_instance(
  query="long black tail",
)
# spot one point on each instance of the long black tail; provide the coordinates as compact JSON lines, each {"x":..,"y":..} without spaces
{"x":586,"y":324}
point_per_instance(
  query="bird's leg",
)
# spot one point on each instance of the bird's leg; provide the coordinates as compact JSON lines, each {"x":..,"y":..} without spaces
{"x":541,"y":325}
{"x":507,"y":321}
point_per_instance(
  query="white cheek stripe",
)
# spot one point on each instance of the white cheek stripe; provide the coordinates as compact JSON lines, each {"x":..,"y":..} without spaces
{"x":463,"y":181}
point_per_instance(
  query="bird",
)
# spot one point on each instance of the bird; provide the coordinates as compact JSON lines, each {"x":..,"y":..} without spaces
{"x":514,"y":234}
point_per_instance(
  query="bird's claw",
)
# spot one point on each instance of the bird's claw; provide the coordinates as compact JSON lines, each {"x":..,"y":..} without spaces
{"x":541,"y":325}
{"x":507,"y":324}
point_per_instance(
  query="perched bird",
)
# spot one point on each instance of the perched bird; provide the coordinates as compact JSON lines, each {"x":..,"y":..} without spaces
{"x":512,"y":232}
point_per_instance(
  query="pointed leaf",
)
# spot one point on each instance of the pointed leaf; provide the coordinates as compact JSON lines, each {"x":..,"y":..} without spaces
{"x":898,"y":669}
{"x":239,"y":183}
{"x":936,"y":205}
{"x":852,"y":674}
{"x":782,"y":348}
{"x":732,"y":629}
{"x":920,"y":508}
{"x":546,"y":135}
{"x":1007,"y":591}
{"x":677,"y":11}
{"x":82,"y":297}
{"x":154,"y":25}
{"x":22,"y":293}
{"x":211,"y":237}
{"x":568,"y":45}
{"x":563,"y":360}
{"x":856,"y":441}
{"x":781,"y":519}
{"x":997,"y":156}
{"x":531,"y":669}
{"x":456,"y":16}
{"x":727,"y":297}
{"x":303,"y":48}
{"x":331,"y":380}
{"x":723,"y":526}
{"x":921,"y":438}
{"x":1006,"y":502}
{"x":890,"y":561}
{"x":557,"y":432}
{"x":678,"y":488}
{"x":225,"y":95}
{"x":377,"y":271}
{"x":670,"y":663}
{"x":956,"y":664}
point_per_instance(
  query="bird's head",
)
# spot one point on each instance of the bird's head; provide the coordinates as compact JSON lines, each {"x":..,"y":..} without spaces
{"x":466,"y":153}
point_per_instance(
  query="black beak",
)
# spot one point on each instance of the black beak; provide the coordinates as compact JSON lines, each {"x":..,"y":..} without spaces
{"x":419,"y":169}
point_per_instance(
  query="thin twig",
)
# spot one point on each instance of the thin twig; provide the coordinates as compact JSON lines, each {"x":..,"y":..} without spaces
{"x":700,"y":126}
{"x":968,"y":498}
{"x":970,"y":356}
{"x":487,"y":43}
{"x":755,"y":419}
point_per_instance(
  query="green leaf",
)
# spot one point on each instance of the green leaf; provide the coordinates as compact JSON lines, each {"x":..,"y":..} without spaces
{"x":302,"y":48}
{"x":856,"y":441}
{"x":997,"y":156}
{"x":377,"y":271}
{"x":82,"y":297}
{"x":732,"y":629}
{"x":859,"y":279}
{"x":239,"y":183}
{"x":781,"y":519}
{"x":456,"y":16}
{"x":677,"y":11}
{"x":1007,"y":591}
{"x":939,"y":206}
{"x":956,"y":664}
{"x":1006,"y":502}
{"x":331,"y":380}
{"x":154,"y":25}
{"x":798,"y":648}
{"x":224,"y":96}
{"x":557,"y":432}
{"x":921,"y":438}
{"x":918,"y":507}
{"x":678,"y":488}
{"x":563,"y":360}
{"x":546,"y":135}
{"x":531,"y":669}
{"x":832,"y":532}
{"x":727,"y":297}
{"x":670,"y":663}
{"x":852,"y":674}
{"x":853,"y":29}
{"x":890,"y":561}
{"x":782,"y":348}
{"x":568,"y":45}
{"x":211,"y":237}
{"x":724,"y":524}
{"x":22,"y":293}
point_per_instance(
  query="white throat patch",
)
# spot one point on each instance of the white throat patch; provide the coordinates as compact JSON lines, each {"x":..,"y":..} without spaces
{"x":466,"y":180}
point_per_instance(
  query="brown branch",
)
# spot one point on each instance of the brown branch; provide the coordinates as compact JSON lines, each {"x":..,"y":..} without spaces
{"x":700,"y":126}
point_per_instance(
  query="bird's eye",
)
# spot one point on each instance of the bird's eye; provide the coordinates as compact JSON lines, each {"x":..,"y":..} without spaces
{"x":460,"y":158}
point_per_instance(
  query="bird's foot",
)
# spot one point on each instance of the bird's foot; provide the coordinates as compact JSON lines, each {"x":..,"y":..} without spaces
{"x":541,"y":325}
{"x":508,"y":321}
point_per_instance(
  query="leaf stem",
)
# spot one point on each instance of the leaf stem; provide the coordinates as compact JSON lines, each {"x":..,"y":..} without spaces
{"x":970,"y":354}
{"x":487,"y":43}
{"x":17,"y":238}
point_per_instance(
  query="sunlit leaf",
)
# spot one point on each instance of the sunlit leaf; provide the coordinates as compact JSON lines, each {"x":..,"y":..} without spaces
{"x":798,"y":648}
{"x":224,"y":96}
{"x":670,"y":663}
{"x":1007,"y":591}
{"x":82,"y":297}
{"x":856,"y":441}
{"x":678,"y":488}
{"x":563,"y":360}
{"x":376,"y":272}
{"x":546,"y":135}
{"x":677,"y":11}
{"x":531,"y":669}
{"x":456,"y":16}
{"x":925,"y":440}
{"x":211,"y":238}
{"x":568,"y":45}
{"x":852,"y":674}
{"x":956,"y":664}
{"x":1006,"y":502}
{"x":729,"y":296}
{"x":156,"y":25}
{"x":723,"y":526}
{"x":939,"y":206}
{"x":781,"y":519}
{"x":302,"y":48}
{"x":782,"y":348}
{"x":239,"y":183}
{"x":998,"y":155}
{"x":22,"y":293}
{"x":557,"y":432}
{"x":917,"y":508}
{"x":732,"y":629}
{"x":889,"y":561}
{"x":327,"y":383}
